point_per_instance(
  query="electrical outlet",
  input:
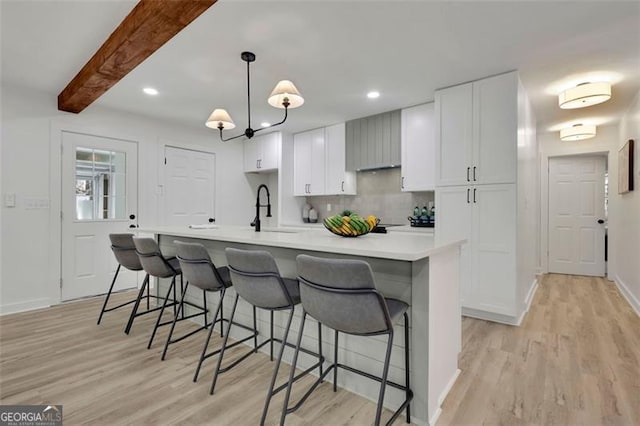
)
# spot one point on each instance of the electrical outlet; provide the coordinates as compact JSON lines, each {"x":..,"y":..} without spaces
{"x":328,"y":207}
{"x":10,"y":199}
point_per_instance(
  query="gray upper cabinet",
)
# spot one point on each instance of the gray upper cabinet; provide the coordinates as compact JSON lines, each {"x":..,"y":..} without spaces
{"x":373,"y":142}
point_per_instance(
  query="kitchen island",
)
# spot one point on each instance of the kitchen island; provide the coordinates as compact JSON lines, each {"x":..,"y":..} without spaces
{"x":406,"y":266}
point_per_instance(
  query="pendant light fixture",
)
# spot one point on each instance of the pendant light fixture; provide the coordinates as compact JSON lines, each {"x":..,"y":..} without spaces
{"x":284,"y":95}
{"x":584,"y":95}
{"x":578,"y":132}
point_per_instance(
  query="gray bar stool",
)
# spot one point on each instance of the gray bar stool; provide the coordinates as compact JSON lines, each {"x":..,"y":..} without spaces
{"x":156,"y":265}
{"x":256,"y":278}
{"x":125,"y":252}
{"x":198,"y":270}
{"x":341,"y":294}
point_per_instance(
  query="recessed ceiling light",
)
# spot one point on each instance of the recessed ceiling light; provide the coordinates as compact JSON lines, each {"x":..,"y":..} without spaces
{"x":373,"y":94}
{"x":265,"y":124}
{"x":150,"y":91}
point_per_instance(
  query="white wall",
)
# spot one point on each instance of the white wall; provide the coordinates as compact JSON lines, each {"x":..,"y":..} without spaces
{"x":28,"y":142}
{"x":626,"y":247}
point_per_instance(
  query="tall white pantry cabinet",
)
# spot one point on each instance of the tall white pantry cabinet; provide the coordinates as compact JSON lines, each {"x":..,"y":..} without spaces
{"x":486,"y":193}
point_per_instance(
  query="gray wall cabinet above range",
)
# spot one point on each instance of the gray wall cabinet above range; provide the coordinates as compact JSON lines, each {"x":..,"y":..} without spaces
{"x":373,"y":142}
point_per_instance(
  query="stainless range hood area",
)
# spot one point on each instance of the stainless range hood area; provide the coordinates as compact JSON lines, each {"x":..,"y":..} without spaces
{"x":373,"y":142}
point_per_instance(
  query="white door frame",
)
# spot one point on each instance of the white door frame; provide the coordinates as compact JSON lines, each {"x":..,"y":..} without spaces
{"x":544,"y":205}
{"x":162,"y":146}
{"x":54,"y":292}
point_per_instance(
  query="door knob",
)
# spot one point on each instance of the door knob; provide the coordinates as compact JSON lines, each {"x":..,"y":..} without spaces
{"x":600,"y":221}
{"x":132,"y":216}
{"x":132,"y":226}
{"x":211,"y":220}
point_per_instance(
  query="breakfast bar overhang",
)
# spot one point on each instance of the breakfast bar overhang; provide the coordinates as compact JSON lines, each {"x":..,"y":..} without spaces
{"x":409,"y":267}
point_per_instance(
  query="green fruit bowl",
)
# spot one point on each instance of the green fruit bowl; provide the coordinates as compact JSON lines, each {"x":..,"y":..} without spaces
{"x":346,"y":229}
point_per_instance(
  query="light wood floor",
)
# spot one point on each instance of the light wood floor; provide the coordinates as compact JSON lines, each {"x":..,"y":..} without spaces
{"x":575,"y":360}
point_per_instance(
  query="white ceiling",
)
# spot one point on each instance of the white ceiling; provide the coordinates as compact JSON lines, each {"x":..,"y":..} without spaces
{"x":335,"y":52}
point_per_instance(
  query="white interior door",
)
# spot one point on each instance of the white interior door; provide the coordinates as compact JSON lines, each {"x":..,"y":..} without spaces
{"x":189,"y":181}
{"x":576,"y":208}
{"x":99,"y":197}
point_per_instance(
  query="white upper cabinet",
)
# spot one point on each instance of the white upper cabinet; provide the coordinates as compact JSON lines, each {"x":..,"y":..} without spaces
{"x":477,"y":131}
{"x":261,"y":153}
{"x":309,"y":163}
{"x":338,"y":180}
{"x":418,"y":148}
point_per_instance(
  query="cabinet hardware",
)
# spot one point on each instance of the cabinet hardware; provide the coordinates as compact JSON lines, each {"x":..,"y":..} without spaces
{"x":257,"y":164}
{"x":468,"y":195}
{"x":402,"y":183}
{"x":468,"y":168}
{"x":600,"y":221}
{"x":211,"y":220}
{"x":474,"y":174}
{"x":474,"y":195}
{"x":342,"y":186}
{"x":132,"y":226}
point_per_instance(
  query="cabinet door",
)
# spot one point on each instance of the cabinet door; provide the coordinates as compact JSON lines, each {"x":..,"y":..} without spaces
{"x":453,"y":223}
{"x":494,"y":249}
{"x":252,"y":153}
{"x":337,"y":179}
{"x":270,"y":144}
{"x":418,"y":148}
{"x":495,"y":128}
{"x":317,"y":160}
{"x":301,"y":163}
{"x":454,"y":135}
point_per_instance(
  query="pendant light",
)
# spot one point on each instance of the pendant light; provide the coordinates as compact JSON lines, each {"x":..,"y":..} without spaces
{"x":584,"y":95}
{"x":284,"y":95}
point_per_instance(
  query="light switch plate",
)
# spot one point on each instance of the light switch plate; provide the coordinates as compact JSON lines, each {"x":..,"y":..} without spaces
{"x":10,"y":199}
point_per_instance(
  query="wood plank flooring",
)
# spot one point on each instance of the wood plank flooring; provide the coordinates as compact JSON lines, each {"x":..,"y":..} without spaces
{"x":575,"y":360}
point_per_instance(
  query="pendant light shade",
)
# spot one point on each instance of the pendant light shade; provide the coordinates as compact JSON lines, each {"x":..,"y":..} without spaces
{"x":220,"y":118}
{"x":285,"y":92}
{"x":578,"y":132}
{"x":584,"y":95}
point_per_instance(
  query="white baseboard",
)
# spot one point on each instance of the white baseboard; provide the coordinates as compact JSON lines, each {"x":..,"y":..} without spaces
{"x":443,"y":395}
{"x":489,"y":316}
{"x":633,"y":301}
{"x":528,"y":300}
{"x":29,"y":305}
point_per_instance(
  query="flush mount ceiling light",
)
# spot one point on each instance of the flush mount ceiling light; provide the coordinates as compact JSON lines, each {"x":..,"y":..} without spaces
{"x":373,"y":95}
{"x":150,"y":91}
{"x":284,"y":95}
{"x":578,"y":132}
{"x":584,"y":95}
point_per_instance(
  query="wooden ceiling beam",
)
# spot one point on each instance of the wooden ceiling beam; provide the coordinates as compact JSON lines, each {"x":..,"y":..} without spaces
{"x":145,"y":29}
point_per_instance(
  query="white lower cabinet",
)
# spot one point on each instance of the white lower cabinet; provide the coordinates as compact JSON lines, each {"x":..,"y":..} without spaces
{"x":484,"y":215}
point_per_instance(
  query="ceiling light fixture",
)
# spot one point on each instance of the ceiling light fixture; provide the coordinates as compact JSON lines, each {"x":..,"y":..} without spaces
{"x":373,"y":95}
{"x":284,"y":95}
{"x":578,"y":132}
{"x":150,"y":91}
{"x":584,"y":95}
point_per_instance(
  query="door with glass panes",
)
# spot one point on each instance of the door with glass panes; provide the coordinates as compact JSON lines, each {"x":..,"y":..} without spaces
{"x":99,"y":197}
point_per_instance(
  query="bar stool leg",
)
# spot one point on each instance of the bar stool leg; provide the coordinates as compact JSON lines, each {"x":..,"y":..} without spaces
{"x":221,"y":316}
{"x":255,"y":328}
{"x":383,"y":383}
{"x":175,"y":319}
{"x":224,"y":346}
{"x":134,"y":311}
{"x":106,"y":300}
{"x":175,"y":296}
{"x":206,"y":342}
{"x":271,"y":336}
{"x":182,"y":289}
{"x":335,"y":360}
{"x":294,"y":362}
{"x":148,"y":296}
{"x":172,"y":286}
{"x":204,"y":304}
{"x":406,"y":364}
{"x":320,"y":347}
{"x":277,"y":367}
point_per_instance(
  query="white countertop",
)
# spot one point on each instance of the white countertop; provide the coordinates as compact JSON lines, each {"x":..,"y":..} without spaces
{"x":395,"y":245}
{"x":409,"y":228}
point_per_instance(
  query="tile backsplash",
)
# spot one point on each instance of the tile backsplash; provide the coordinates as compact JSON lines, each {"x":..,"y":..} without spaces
{"x":379,"y":194}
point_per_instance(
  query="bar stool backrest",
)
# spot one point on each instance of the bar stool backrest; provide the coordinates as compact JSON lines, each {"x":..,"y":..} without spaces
{"x":125,"y":251}
{"x":256,"y":278}
{"x":151,"y":259}
{"x":197,"y":267}
{"x":341,"y":294}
